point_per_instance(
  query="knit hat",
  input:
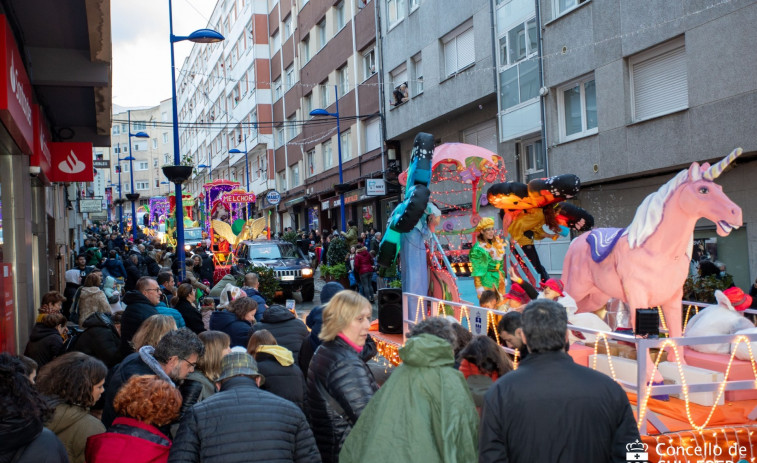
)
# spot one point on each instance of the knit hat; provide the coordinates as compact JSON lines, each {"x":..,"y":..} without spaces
{"x":739,"y":300}
{"x":555,"y":285}
{"x":329,"y":290}
{"x":484,"y":223}
{"x":517,"y":293}
{"x":238,"y":363}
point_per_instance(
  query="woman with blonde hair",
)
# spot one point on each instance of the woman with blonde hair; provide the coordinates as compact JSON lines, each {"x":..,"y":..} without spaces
{"x":276,"y":364}
{"x":92,"y":299}
{"x":143,"y":404}
{"x":151,"y":330}
{"x":339,"y":384}
{"x":201,"y":383}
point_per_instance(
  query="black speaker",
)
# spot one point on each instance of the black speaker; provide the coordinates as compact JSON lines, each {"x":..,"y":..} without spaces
{"x":647,"y":322}
{"x":390,"y":310}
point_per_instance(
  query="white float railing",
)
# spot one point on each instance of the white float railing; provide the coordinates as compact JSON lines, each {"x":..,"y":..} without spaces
{"x":415,"y":308}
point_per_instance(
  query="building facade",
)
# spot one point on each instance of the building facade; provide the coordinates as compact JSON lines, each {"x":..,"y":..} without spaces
{"x":638,"y":92}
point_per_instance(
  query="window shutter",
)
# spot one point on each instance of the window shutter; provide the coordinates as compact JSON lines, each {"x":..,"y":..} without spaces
{"x":660,"y":85}
{"x":466,"y":52}
{"x":450,"y":58}
{"x":372,"y":135}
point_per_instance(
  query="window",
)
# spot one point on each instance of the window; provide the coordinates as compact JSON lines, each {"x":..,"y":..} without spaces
{"x":277,"y":89}
{"x":288,"y":27}
{"x":324,"y":88}
{"x":414,"y":4}
{"x":399,"y":78}
{"x":321,"y":33}
{"x":563,"y":6}
{"x":534,"y":160}
{"x":143,"y":165}
{"x":157,"y":183}
{"x":165,"y":137}
{"x":577,"y":109}
{"x":166,"y":158}
{"x":140,"y":146}
{"x":276,"y":42}
{"x":418,"y":68}
{"x":369,"y":63}
{"x":116,"y":130}
{"x":280,"y":136}
{"x":344,"y":80}
{"x":310,"y":159}
{"x":340,"y":16}
{"x":294,"y":176}
{"x":164,"y":116}
{"x":142,"y":185}
{"x":328,"y":155}
{"x":519,"y":71}
{"x":289,"y":77}
{"x":346,"y":145}
{"x":459,"y":51}
{"x":282,"y":180}
{"x":154,"y":143}
{"x":235,"y":96}
{"x":372,"y":134}
{"x":395,"y":11}
{"x":140,"y":125}
{"x":291,"y":128}
{"x":659,"y":81}
{"x":306,"y":49}
{"x":155,"y":162}
{"x":307,"y":103}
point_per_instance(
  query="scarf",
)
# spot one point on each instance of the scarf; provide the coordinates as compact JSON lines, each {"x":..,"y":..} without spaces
{"x":145,"y":353}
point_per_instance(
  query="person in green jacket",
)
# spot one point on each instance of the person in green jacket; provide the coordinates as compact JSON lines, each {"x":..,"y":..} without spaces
{"x":351,"y":235}
{"x":486,"y":257}
{"x":424,"y":412}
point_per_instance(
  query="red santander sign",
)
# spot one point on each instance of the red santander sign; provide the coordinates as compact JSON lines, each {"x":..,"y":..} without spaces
{"x":71,"y":162}
{"x":16,"y":100}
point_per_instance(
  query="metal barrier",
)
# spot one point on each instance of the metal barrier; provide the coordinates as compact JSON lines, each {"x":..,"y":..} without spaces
{"x":416,"y":308}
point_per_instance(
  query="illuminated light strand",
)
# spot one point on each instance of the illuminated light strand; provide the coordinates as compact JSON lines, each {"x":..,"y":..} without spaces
{"x":516,"y":359}
{"x":418,"y":309}
{"x":464,"y":313}
{"x":684,"y":386}
{"x":490,"y":318}
{"x":662,"y":318}
{"x":609,"y":354}
{"x":686,"y":319}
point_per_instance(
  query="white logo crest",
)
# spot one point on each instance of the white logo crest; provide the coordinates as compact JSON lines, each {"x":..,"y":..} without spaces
{"x":72,"y":164}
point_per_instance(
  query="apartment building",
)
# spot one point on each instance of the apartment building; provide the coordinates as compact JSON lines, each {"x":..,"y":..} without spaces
{"x":224,"y":103}
{"x":638,"y":91}
{"x":149,"y":154}
{"x":323,"y":56}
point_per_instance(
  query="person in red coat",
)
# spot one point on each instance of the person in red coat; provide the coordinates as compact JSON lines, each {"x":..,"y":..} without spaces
{"x":143,"y":403}
{"x":364,"y":269}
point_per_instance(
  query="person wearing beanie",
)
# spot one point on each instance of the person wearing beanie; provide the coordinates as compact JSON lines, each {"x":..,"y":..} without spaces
{"x":314,"y":321}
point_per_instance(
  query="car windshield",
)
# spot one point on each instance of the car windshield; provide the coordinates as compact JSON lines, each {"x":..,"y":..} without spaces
{"x":192,"y":233}
{"x":273,"y":251}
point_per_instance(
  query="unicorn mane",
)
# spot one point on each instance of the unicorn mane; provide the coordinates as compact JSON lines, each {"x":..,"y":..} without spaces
{"x":649,"y":214}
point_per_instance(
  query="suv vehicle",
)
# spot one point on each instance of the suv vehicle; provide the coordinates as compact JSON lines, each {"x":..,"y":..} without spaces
{"x":291,"y":267}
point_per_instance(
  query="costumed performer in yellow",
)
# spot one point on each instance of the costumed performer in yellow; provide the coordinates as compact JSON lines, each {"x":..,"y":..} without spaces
{"x":487,"y":256}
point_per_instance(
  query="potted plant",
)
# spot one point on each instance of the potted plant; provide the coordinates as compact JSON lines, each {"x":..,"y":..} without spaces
{"x":269,"y":285}
{"x":179,"y":173}
{"x":336,"y":272}
{"x":132,"y":196}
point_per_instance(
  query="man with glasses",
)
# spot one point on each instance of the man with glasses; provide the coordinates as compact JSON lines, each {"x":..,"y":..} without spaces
{"x":140,"y":305}
{"x":171,"y":360}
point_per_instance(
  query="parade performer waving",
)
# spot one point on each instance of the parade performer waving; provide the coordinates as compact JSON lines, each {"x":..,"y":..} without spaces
{"x":487,"y":258}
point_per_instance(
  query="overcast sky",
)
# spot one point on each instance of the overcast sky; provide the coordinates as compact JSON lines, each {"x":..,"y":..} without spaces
{"x":142,"y":51}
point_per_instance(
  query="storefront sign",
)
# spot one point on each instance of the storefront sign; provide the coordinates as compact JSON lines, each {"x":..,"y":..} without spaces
{"x":41,"y":153}
{"x":71,"y":162}
{"x":102,"y":163}
{"x":233,"y":197}
{"x":7,"y":311}
{"x":326,"y":205}
{"x":375,"y":187}
{"x":351,"y":197}
{"x":273,"y":197}
{"x":90,"y":205}
{"x":16,"y":100}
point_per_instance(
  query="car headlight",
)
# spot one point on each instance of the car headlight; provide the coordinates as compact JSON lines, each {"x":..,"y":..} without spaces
{"x":187,"y":247}
{"x":307,"y":272}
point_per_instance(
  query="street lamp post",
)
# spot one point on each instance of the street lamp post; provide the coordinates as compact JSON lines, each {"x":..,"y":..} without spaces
{"x":210,"y":172}
{"x":131,"y":171}
{"x":120,"y":198}
{"x":198,"y":36}
{"x":247,"y":169}
{"x":323,"y":112}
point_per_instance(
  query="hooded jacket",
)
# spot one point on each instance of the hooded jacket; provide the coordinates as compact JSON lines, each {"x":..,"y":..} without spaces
{"x":255,"y":295}
{"x":138,"y":309}
{"x":140,"y":441}
{"x":238,"y":330}
{"x":100,"y":339}
{"x":92,"y":299}
{"x":282,"y":376}
{"x":73,"y":425}
{"x":288,"y":330}
{"x":339,"y":387}
{"x":424,"y":410}
{"x":113,"y":296}
{"x":363,"y":261}
{"x":115,"y":268}
{"x":44,"y":344}
{"x":33,"y":442}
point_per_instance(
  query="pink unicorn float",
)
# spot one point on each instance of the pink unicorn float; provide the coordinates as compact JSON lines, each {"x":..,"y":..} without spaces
{"x":646,"y":264}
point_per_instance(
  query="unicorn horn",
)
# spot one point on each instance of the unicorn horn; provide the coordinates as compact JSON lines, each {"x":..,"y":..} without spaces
{"x":715,"y":170}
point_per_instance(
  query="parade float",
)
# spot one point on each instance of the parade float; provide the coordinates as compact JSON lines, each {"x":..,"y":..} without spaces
{"x":691,"y":405}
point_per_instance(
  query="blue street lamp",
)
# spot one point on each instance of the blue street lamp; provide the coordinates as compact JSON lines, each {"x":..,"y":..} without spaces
{"x":323,"y":112}
{"x":121,"y":206}
{"x":210,"y":171}
{"x":247,"y":169}
{"x":131,"y":171}
{"x":198,"y":36}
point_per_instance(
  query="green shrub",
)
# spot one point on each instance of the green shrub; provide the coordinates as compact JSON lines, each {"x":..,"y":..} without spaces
{"x":268,"y":282}
{"x":703,"y":289}
{"x":336,"y":272}
{"x":338,"y":250}
{"x":290,"y":236}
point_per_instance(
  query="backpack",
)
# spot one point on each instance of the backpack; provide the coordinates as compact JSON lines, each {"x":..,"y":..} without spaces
{"x":73,"y":335}
{"x":73,"y":315}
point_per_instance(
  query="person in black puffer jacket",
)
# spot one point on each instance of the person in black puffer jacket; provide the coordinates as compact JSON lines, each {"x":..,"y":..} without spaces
{"x":140,"y":305}
{"x":184,"y":302}
{"x":242,"y":423}
{"x":339,"y":384}
{"x":288,"y":330}
{"x":236,"y":320}
{"x":100,"y":339}
{"x":276,"y":364}
{"x":314,"y":321}
{"x":46,"y":339}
